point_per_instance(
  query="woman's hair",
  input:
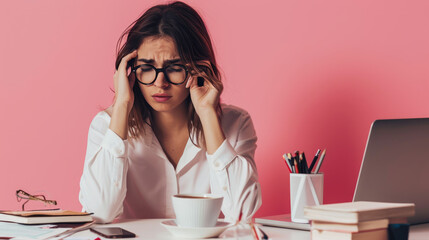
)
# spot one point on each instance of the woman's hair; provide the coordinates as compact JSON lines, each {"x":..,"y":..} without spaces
{"x":184,"y":25}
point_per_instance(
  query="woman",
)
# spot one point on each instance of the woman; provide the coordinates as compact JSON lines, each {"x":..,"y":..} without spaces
{"x":166,"y":132}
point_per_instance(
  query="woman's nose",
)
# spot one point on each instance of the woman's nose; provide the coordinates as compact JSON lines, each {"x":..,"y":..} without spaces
{"x":161,"y":81}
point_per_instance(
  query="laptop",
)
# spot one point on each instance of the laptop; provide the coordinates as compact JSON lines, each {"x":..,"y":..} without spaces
{"x":395,"y":165}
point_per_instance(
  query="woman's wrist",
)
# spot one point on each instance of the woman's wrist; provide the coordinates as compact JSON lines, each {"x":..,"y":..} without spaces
{"x":119,"y":119}
{"x":204,"y":112}
{"x":213,"y":132}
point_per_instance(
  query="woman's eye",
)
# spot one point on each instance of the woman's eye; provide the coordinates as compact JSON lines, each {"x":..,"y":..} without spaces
{"x":174,"y":69}
{"x":146,"y":69}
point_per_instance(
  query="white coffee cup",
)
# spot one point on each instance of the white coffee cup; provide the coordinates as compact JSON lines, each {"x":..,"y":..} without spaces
{"x":197,"y":210}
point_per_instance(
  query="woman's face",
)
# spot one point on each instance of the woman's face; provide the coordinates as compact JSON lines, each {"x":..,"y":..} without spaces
{"x":162,"y":96}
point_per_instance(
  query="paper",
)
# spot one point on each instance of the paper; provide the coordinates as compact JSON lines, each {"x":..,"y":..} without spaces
{"x":19,"y":231}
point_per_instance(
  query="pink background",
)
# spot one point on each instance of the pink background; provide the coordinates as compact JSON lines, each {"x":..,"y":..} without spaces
{"x":313,"y":74}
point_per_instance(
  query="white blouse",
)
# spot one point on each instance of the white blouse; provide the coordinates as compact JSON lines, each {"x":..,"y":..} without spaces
{"x":134,"y":178}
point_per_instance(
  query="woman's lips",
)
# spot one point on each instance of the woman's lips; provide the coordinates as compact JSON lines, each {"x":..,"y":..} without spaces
{"x":161,"y":97}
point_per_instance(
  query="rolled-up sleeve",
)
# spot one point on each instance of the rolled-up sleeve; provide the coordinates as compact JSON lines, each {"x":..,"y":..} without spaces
{"x":103,"y":181}
{"x":233,"y":171}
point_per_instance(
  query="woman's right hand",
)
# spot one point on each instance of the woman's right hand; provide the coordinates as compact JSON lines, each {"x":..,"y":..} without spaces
{"x":124,"y":84}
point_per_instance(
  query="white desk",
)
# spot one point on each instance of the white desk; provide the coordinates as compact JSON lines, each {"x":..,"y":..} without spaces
{"x":153,"y":230}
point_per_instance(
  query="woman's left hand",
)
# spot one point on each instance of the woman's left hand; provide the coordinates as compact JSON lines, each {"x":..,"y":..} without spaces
{"x":204,"y":98}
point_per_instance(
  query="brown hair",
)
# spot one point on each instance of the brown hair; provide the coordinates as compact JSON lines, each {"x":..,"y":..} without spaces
{"x":184,"y":25}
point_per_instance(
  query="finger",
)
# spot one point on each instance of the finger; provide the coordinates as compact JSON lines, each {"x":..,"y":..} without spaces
{"x":132,"y":80}
{"x":194,"y":82}
{"x":115,"y":80}
{"x":124,"y":60}
{"x":189,"y":82}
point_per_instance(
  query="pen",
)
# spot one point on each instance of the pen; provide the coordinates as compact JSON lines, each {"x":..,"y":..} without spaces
{"x":304,"y":161}
{"x":264,"y":235}
{"x":314,"y":160}
{"x":258,"y":231}
{"x":302,"y":164}
{"x":254,"y":231}
{"x":320,"y":161}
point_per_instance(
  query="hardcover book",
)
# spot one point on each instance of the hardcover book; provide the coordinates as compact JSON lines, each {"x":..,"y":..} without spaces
{"x":44,"y":216}
{"x":366,"y":235}
{"x":347,"y":227}
{"x":355,"y":212}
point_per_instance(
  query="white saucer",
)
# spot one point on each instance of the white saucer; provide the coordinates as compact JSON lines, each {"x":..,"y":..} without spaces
{"x":193,"y":232}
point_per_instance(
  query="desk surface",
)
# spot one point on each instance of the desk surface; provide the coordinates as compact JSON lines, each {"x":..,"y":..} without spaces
{"x":152,"y":229}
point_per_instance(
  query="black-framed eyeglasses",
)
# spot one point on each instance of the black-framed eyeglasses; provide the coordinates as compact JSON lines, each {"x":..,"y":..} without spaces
{"x":146,"y":74}
{"x":21,"y":194}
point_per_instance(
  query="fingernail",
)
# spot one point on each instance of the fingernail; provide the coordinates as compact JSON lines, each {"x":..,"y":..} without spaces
{"x":200,"y":81}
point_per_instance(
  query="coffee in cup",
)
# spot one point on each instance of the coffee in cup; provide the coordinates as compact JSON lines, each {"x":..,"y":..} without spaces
{"x":197,"y":210}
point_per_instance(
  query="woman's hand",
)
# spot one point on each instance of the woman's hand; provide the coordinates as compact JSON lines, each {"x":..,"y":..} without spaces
{"x":124,"y":84}
{"x":204,"y":98}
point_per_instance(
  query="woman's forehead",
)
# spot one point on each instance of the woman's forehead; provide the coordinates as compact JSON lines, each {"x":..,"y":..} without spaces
{"x":154,"y":45}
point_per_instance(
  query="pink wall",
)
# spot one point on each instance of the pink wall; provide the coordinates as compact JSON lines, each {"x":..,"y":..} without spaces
{"x":313,"y":74}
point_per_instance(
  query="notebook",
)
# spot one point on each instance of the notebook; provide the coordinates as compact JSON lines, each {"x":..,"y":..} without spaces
{"x":395,"y":165}
{"x":283,"y":221}
{"x":44,"y":216}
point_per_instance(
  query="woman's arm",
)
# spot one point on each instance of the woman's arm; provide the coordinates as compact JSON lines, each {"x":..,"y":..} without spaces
{"x":103,"y":181}
{"x":233,"y":171}
{"x":124,"y":97}
{"x":232,"y":168}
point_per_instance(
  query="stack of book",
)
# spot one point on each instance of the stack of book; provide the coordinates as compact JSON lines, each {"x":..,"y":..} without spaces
{"x":31,"y":224}
{"x":356,"y":220}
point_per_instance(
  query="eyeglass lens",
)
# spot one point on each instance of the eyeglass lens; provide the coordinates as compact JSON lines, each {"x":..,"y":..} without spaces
{"x":175,"y":73}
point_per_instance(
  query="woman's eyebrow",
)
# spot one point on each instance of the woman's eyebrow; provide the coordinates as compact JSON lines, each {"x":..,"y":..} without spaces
{"x":171,"y":61}
{"x":145,"y":60}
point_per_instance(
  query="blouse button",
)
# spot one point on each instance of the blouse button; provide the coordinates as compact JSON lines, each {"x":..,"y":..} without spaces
{"x":225,"y":188}
{"x":216,"y":164}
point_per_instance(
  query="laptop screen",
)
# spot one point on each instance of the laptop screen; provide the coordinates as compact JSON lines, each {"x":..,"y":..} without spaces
{"x":395,"y":166}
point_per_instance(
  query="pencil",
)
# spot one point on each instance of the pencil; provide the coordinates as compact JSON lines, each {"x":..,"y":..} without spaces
{"x":289,"y":157}
{"x":296,"y":166}
{"x":320,"y":161}
{"x":298,"y":162}
{"x":314,"y":161}
{"x":287,"y":163}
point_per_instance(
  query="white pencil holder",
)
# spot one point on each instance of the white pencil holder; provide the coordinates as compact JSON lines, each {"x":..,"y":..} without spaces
{"x":305,"y":190}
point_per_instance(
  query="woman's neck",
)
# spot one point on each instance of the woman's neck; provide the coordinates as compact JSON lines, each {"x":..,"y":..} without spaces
{"x":171,"y":122}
